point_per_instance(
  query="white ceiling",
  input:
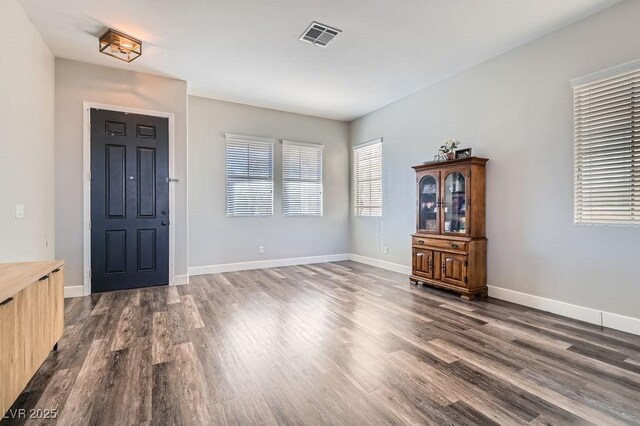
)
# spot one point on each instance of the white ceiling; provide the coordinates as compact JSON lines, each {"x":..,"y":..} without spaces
{"x":248,"y":51}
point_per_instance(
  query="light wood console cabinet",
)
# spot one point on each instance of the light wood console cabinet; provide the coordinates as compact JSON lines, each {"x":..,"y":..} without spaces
{"x":31,"y":322}
{"x":449,"y":247}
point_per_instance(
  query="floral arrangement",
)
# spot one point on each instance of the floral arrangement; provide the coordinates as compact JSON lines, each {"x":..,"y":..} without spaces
{"x":447,"y":150}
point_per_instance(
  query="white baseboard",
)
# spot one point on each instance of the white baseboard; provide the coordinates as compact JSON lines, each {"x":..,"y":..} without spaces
{"x":593,"y":316}
{"x":261,"y":264}
{"x":73,"y":291}
{"x":180,"y":280}
{"x":549,"y":305}
{"x":621,"y":322}
{"x":395,"y":267}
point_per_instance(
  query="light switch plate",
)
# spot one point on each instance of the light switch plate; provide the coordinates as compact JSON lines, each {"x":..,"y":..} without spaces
{"x":19,"y":211}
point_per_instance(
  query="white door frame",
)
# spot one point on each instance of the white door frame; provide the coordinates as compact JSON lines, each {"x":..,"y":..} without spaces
{"x":86,"y":184}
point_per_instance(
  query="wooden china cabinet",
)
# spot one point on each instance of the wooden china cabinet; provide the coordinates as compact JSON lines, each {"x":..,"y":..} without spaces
{"x":449,"y":247}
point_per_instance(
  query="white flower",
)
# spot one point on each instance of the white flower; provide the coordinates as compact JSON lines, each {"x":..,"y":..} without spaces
{"x":449,"y":145}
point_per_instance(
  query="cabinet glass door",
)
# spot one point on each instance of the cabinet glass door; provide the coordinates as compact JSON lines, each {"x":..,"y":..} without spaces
{"x":428,"y":205}
{"x":455,"y":200}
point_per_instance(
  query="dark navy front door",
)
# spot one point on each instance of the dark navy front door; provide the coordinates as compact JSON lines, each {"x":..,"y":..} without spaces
{"x":129,"y":201}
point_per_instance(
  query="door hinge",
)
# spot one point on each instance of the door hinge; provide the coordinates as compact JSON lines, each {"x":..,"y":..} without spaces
{"x":89,"y":175}
{"x":465,"y":280}
{"x":465,"y":264}
{"x":89,"y":225}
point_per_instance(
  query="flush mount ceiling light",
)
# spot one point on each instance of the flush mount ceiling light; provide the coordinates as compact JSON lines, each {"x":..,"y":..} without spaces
{"x":119,"y":45}
{"x":319,"y":34}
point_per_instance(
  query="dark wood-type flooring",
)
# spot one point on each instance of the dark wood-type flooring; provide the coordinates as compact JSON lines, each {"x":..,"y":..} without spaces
{"x":335,"y":343}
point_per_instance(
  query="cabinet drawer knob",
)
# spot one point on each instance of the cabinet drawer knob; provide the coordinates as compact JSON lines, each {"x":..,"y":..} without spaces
{"x":420,"y":241}
{"x":7,"y":301}
{"x":455,"y":245}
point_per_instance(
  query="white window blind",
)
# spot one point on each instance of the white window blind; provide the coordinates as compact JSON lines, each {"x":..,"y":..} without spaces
{"x":607,"y":147}
{"x":301,"y":179}
{"x":367,"y":177}
{"x":249,"y":172}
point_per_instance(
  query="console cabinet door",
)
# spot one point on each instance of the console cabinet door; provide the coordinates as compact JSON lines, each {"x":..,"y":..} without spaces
{"x":454,"y":269}
{"x":8,"y":354}
{"x":56,"y":306}
{"x":423,"y":263}
{"x":34,"y":319}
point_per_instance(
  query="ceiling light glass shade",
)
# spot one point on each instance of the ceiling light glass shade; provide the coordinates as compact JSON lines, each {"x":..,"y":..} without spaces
{"x":119,"y":45}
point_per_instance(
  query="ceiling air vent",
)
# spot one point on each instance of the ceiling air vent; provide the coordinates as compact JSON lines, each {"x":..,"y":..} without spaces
{"x":319,"y":34}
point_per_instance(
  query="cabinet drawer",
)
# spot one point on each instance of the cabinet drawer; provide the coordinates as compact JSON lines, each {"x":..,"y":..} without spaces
{"x":440,"y":244}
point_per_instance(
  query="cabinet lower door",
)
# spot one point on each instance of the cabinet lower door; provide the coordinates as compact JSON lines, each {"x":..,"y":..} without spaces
{"x":8,"y":354}
{"x":55,"y":306}
{"x":423,"y":263}
{"x":454,"y":269}
{"x":33,"y":321}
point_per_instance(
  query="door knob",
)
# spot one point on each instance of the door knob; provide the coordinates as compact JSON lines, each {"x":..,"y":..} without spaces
{"x":164,"y":223}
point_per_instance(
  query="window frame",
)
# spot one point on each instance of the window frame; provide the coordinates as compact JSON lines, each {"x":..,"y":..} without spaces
{"x":613,"y":214}
{"x":234,"y":138}
{"x":360,"y":211}
{"x":285,"y":180}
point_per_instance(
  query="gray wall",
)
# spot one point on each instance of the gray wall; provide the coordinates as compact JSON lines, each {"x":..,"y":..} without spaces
{"x":516,"y":110}
{"x":77,"y":82}
{"x":217,"y":239}
{"x":26,"y":139}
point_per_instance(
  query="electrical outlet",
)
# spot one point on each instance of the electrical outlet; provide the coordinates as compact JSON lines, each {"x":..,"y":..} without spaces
{"x":261,"y":250}
{"x":19,"y":211}
{"x":385,"y":250}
